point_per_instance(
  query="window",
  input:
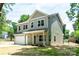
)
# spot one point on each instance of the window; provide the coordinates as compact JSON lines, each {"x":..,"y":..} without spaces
{"x":19,"y":28}
{"x":32,"y":25}
{"x":26,"y":26}
{"x":23,"y":26}
{"x":42,"y":22}
{"x":54,"y":38}
{"x":40,"y":38}
{"x":38,"y":23}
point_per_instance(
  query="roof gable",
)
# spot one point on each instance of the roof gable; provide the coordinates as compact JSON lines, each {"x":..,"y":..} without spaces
{"x":37,"y":14}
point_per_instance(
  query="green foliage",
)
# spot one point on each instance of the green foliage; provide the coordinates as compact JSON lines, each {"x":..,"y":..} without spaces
{"x":23,"y":18}
{"x":4,"y":26}
{"x":72,"y":34}
{"x":76,"y":25}
{"x":14,"y":26}
{"x":77,"y":51}
{"x":48,"y":51}
{"x":66,"y":34}
{"x":7,"y":7}
{"x":11,"y":33}
{"x":11,"y":29}
{"x":73,"y":13}
{"x":77,"y":34}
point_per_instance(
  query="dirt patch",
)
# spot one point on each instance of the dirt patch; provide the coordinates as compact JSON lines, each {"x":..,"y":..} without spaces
{"x":12,"y":49}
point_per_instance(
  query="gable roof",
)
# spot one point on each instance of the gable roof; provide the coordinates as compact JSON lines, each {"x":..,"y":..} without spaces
{"x":59,"y":18}
{"x":37,"y":14}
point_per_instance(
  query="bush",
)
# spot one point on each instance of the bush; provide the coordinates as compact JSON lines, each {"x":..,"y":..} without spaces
{"x":72,"y":39}
{"x":77,"y":41}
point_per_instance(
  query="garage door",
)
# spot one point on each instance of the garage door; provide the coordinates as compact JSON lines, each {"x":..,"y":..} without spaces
{"x":20,"y":39}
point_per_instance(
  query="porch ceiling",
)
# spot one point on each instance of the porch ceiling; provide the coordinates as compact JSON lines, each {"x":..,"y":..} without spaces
{"x":37,"y":31}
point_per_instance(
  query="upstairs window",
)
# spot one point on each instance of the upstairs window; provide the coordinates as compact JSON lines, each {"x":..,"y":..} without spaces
{"x":38,"y":23}
{"x":23,"y":26}
{"x":42,"y":22}
{"x":26,"y":26}
{"x":19,"y":28}
{"x":32,"y":25}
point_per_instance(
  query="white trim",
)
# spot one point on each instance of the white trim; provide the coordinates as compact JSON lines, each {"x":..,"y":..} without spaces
{"x":37,"y":31}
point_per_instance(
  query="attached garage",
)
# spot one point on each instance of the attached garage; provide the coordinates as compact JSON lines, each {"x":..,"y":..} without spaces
{"x":20,"y":39}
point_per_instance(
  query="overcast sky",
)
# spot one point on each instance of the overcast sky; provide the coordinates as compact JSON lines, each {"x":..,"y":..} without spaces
{"x":29,"y":8}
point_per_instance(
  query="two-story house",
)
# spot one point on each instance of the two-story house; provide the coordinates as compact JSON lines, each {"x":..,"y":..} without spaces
{"x":40,"y":29}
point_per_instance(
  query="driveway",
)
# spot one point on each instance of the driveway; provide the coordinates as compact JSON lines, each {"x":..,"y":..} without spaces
{"x":6,"y":43}
{"x":8,"y":47}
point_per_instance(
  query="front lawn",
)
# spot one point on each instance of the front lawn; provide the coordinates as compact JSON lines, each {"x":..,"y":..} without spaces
{"x":48,"y":51}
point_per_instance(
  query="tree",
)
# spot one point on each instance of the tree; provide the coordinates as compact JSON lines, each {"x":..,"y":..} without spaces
{"x":23,"y":18}
{"x":1,"y":5}
{"x":73,"y":15}
{"x":72,"y":34}
{"x":4,"y":9}
{"x":14,"y":26}
{"x":11,"y":33}
{"x":77,"y":34}
{"x":64,"y":28}
{"x":66,"y":34}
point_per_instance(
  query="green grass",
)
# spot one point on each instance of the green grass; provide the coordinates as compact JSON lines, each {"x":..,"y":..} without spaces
{"x":47,"y":51}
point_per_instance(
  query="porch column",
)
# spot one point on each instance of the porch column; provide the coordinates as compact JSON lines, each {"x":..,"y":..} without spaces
{"x":37,"y":39}
{"x":32,"y":38}
{"x":43,"y":39}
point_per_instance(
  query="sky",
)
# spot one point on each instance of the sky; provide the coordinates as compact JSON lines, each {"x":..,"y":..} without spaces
{"x":48,"y":8}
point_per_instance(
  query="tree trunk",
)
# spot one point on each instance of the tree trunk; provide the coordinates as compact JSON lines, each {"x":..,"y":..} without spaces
{"x":10,"y":38}
{"x":1,"y":5}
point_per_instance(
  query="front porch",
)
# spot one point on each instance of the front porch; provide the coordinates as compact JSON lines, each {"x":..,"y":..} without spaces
{"x":39,"y":37}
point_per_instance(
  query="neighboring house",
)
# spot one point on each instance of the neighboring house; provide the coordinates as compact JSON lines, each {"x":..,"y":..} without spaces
{"x":4,"y":35}
{"x":40,"y":29}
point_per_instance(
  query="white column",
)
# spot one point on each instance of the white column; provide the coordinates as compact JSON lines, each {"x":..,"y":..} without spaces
{"x":38,"y":39}
{"x":32,"y":38}
{"x":43,"y":39}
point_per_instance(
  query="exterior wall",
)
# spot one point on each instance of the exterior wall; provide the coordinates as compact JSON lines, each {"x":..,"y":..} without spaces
{"x":21,"y":25}
{"x":35,"y":24}
{"x":29,"y":39}
{"x":51,"y":23}
{"x":56,"y":31}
